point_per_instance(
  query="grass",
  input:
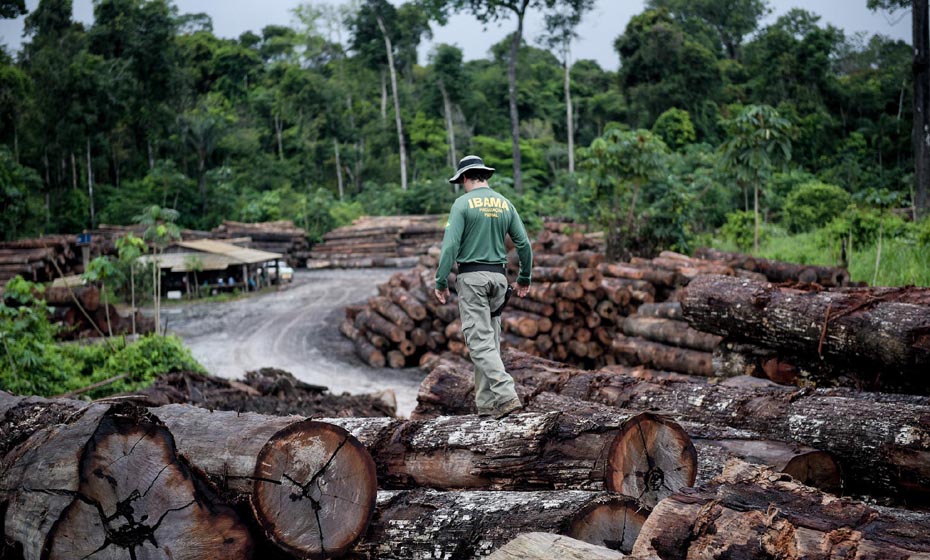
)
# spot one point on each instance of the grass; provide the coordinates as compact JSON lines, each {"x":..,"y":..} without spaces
{"x":903,"y":261}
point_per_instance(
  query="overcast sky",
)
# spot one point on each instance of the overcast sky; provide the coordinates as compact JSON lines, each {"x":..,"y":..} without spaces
{"x":597,"y":31}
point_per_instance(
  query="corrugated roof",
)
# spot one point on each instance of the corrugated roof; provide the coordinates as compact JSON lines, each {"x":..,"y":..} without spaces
{"x":240,"y":255}
{"x":181,"y":262}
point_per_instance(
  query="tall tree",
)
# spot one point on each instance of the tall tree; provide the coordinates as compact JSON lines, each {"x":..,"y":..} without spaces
{"x":731,"y":20}
{"x":920,"y":68}
{"x":446,"y":61}
{"x":561,"y":25}
{"x":493,"y":10}
{"x":759,"y":140}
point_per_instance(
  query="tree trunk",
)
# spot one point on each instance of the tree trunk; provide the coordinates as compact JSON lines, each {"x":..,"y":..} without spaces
{"x":750,"y":512}
{"x":151,"y":153}
{"x":363,"y":348}
{"x":920,"y":129}
{"x":90,"y":186}
{"x":397,"y":117}
{"x":383,"y":99}
{"x":880,"y":440}
{"x":311,"y":486}
{"x":450,"y":129}
{"x":569,"y":117}
{"x":778,"y":271}
{"x":640,"y":455}
{"x":515,"y":41}
{"x":81,"y":480}
{"x":755,"y":212}
{"x":74,"y":174}
{"x":547,"y":546}
{"x":278,"y":131}
{"x":339,"y":181}
{"x":884,"y":328}
{"x":716,"y":444}
{"x":666,"y":331}
{"x":638,"y":351}
{"x":132,"y":291}
{"x":423,"y":524}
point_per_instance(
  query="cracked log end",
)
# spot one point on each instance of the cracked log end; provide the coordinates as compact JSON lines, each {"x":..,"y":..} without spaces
{"x":135,"y":499}
{"x":315,"y":491}
{"x":651,"y":458}
{"x":614,"y":524}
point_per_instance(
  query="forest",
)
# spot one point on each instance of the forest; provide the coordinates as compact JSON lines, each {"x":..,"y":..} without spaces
{"x":790,"y":138}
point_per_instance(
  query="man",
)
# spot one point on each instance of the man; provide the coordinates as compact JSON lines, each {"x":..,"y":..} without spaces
{"x":474,"y":238}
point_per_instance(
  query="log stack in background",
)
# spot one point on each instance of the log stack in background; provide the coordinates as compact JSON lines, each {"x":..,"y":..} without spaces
{"x":281,"y":236}
{"x":35,"y":259}
{"x":97,"y":317}
{"x":378,"y":241}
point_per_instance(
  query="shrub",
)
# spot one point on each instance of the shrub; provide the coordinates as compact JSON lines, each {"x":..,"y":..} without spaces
{"x":739,"y":229}
{"x":813,"y":204}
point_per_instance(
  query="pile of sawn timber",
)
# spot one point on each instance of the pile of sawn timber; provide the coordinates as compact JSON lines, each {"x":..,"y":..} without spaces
{"x":378,"y":241}
{"x":36,"y":259}
{"x":580,"y":310}
{"x":813,"y":447}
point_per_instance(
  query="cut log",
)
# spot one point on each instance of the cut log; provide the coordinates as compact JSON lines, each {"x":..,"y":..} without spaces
{"x":549,"y":546}
{"x":881,"y":441}
{"x":716,"y":444}
{"x":752,"y":512}
{"x":667,"y":331}
{"x":640,"y":455}
{"x":657,"y":277}
{"x":408,"y":303}
{"x":81,"y":480}
{"x":777,"y":271}
{"x":887,"y":327}
{"x":389,"y":310}
{"x":638,"y":351}
{"x":396,"y":359}
{"x":663,"y":310}
{"x":521,"y":325}
{"x":555,"y":274}
{"x":363,"y":348}
{"x":310,"y":485}
{"x":374,"y":322}
{"x":425,"y":524}
{"x":525,"y":304}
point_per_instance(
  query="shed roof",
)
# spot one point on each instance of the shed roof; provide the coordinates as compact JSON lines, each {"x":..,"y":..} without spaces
{"x":237,"y":254}
{"x":181,"y":262}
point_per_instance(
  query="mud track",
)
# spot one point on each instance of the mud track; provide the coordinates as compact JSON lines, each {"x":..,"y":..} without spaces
{"x":296,"y":329}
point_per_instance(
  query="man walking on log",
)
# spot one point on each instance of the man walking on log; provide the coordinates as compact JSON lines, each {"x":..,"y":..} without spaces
{"x":474,"y":238}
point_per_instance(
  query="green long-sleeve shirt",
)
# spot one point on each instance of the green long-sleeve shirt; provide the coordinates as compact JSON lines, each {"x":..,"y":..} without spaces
{"x":478,"y":222}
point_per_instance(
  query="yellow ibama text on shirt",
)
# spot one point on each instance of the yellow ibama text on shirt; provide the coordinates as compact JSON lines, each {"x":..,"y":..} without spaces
{"x":488,"y":202}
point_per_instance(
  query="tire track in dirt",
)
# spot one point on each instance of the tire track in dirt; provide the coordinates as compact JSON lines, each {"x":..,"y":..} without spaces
{"x":296,"y":329}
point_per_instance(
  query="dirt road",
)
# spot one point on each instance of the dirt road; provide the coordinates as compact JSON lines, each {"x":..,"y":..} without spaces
{"x":297,"y":330}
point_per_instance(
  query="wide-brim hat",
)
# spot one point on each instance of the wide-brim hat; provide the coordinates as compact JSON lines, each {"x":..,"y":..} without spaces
{"x":466,"y":163}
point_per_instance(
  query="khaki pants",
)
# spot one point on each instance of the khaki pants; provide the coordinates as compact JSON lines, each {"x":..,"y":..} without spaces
{"x":479,"y":293}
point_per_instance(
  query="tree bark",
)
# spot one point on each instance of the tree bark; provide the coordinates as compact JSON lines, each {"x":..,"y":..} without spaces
{"x":90,"y":186}
{"x":450,"y":129}
{"x":920,"y":129}
{"x":547,"y":546}
{"x":778,"y":271}
{"x":881,"y":440}
{"x":751,"y":512}
{"x":667,"y":331}
{"x":638,"y":351}
{"x":310,"y":485}
{"x":397,"y":117}
{"x":424,"y":524}
{"x":886,"y":328}
{"x":363,"y":348}
{"x":339,"y":181}
{"x":640,"y":455}
{"x":278,"y":132}
{"x":515,"y":40}
{"x":569,"y":117}
{"x":81,"y":480}
{"x":716,"y":444}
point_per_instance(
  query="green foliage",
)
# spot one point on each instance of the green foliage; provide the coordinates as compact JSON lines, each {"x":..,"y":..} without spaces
{"x":34,"y":363}
{"x":813,"y":204}
{"x":674,"y":126}
{"x":739,"y":229}
{"x":23,"y":212}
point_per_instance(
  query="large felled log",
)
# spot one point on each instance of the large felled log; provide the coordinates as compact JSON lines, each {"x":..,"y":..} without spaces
{"x":549,"y":546}
{"x":374,"y":322}
{"x":311,"y":485}
{"x":716,"y":444}
{"x":751,"y":512}
{"x":880,"y":326}
{"x":363,"y":348}
{"x":392,"y":312}
{"x":676,"y":333}
{"x":778,"y":271}
{"x":104,"y":481}
{"x":639,"y":455}
{"x":657,"y":277}
{"x":426,"y":524}
{"x":663,"y":310}
{"x":638,"y":351}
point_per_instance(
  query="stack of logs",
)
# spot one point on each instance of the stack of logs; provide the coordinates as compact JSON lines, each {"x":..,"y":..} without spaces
{"x":830,"y":442}
{"x":36,"y":259}
{"x":580,"y":309}
{"x":281,"y":236}
{"x":83,"y":314}
{"x":385,"y":241}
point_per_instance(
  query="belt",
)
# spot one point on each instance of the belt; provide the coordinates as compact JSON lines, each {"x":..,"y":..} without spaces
{"x":482,"y":267}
